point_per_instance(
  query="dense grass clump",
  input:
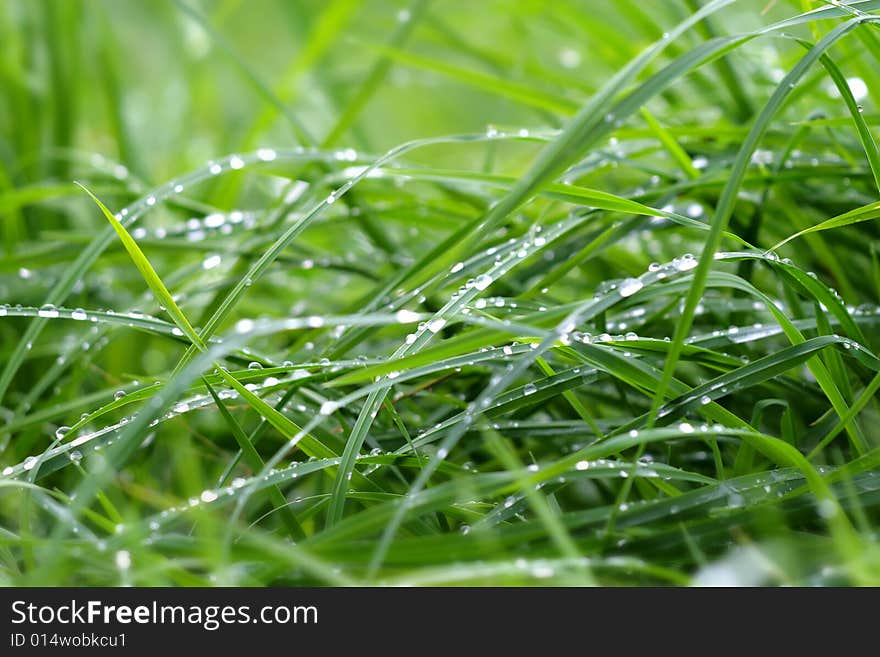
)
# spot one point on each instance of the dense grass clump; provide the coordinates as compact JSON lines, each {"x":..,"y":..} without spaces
{"x":442,"y":293}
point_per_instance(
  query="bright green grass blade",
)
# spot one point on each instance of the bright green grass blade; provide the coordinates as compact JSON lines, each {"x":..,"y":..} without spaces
{"x":255,"y":461}
{"x":163,"y":296}
{"x":864,"y":213}
{"x":285,"y":426}
{"x":670,"y":144}
{"x":855,"y":111}
{"x":726,"y":203}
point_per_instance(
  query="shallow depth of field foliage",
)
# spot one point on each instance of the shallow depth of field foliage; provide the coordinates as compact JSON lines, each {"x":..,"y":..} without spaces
{"x":443,"y":292}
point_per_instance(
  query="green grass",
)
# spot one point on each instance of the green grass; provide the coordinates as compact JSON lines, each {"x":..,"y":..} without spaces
{"x":512,"y":293}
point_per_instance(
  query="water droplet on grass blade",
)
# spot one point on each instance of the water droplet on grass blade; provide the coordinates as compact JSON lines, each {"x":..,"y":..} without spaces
{"x":482,"y":281}
{"x":48,"y":310}
{"x":685,"y":262}
{"x":629,"y":286}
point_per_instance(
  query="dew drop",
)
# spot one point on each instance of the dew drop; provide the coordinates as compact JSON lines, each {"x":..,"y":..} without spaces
{"x":48,"y":310}
{"x":629,"y":286}
{"x":482,"y":281}
{"x":208,"y":496}
{"x":530,"y":389}
{"x":436,"y":324}
{"x":685,"y":262}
